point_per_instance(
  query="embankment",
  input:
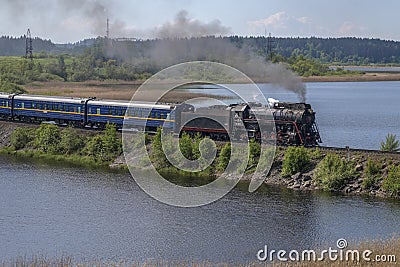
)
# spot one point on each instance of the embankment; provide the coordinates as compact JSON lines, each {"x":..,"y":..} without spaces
{"x":337,"y":170}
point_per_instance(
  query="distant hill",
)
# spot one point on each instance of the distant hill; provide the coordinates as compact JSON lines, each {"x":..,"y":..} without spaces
{"x":326,"y":50}
{"x":15,"y":46}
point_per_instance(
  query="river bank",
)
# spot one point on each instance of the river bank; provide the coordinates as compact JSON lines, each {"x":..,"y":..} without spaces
{"x":124,"y":90}
{"x":367,"y":77}
{"x":371,"y":173}
{"x":383,"y":253}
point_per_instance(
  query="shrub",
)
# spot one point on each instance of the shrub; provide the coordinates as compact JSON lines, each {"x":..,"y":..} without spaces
{"x":296,"y":159}
{"x":112,"y":144}
{"x":224,"y":157}
{"x":392,"y":182}
{"x":185,"y":145}
{"x":390,"y":144}
{"x":47,"y":138}
{"x":95,"y":148}
{"x":9,"y":87}
{"x":316,"y":153}
{"x":332,"y":173}
{"x":157,"y":155}
{"x":371,"y":174}
{"x":21,"y":137}
{"x":70,"y":142}
{"x":255,"y":151}
{"x":104,"y":147}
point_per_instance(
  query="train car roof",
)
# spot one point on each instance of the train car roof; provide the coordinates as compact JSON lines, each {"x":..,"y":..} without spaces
{"x":76,"y":100}
{"x":121,"y":103}
{"x":4,"y":95}
{"x":50,"y":98}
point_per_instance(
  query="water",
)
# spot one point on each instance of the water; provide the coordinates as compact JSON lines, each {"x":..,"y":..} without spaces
{"x":90,"y":215}
{"x":355,"y":114}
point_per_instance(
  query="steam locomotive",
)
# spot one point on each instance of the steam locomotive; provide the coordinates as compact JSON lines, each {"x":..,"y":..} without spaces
{"x":294,"y":122}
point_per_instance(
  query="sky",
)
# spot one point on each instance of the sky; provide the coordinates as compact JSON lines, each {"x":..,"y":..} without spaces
{"x":72,"y":20}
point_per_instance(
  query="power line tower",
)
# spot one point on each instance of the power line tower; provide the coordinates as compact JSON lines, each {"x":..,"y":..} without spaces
{"x":108,"y":29}
{"x":270,"y":46}
{"x":28,"y":45}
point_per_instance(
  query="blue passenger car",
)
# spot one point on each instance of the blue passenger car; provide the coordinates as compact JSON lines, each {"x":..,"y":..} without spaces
{"x":5,"y":105}
{"x":61,"y":110}
{"x":137,"y":115}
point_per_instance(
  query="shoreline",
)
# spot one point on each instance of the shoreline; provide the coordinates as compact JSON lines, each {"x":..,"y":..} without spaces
{"x":368,"y":77}
{"x":123,"y":90}
{"x":302,"y":179}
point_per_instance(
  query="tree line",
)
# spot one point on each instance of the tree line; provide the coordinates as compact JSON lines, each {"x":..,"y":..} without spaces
{"x":348,"y":50}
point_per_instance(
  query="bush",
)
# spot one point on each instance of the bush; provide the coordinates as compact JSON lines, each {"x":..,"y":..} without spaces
{"x":224,"y":157}
{"x":255,"y":151}
{"x":157,"y":155}
{"x":371,"y":174}
{"x":47,"y":138}
{"x":390,"y":144}
{"x":296,"y":159}
{"x":21,"y":137}
{"x":392,"y":182}
{"x":9,"y":87}
{"x":106,"y":147}
{"x":316,"y":154}
{"x":332,"y":173}
{"x":186,"y":146}
{"x":70,"y":142}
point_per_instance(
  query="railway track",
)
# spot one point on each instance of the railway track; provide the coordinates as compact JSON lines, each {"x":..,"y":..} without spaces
{"x":348,"y":149}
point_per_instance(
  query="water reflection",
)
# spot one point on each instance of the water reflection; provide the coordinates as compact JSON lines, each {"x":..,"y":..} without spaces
{"x":53,"y":211}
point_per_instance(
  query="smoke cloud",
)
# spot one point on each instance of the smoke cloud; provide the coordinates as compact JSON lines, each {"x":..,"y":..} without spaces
{"x":184,"y":27}
{"x":172,"y":49}
{"x":165,"y":53}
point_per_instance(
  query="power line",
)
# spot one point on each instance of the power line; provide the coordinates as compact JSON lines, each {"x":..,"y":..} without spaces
{"x":28,"y":45}
{"x":270,"y":46}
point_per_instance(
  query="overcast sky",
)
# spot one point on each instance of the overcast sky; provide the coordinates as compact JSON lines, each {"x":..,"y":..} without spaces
{"x":74,"y":20}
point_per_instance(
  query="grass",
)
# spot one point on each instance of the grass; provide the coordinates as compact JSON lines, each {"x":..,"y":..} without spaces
{"x":66,"y":160}
{"x":379,"y":247}
{"x":119,"y":90}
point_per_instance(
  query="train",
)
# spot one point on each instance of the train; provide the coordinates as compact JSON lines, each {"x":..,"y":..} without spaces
{"x":295,"y":123}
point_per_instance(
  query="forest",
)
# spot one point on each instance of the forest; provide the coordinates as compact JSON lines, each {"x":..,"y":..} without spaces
{"x":349,"y":50}
{"x":103,"y":59}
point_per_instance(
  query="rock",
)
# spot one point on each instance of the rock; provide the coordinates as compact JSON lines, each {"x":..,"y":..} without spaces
{"x":297,"y":176}
{"x":307,"y":178}
{"x":359,"y":167}
{"x":307,"y":183}
{"x":296,"y":185}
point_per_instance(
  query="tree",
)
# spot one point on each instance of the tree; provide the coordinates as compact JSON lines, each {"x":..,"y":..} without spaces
{"x":47,"y":138}
{"x":390,"y":144}
{"x":224,"y":157}
{"x":70,"y":141}
{"x":157,"y":155}
{"x":255,"y":151}
{"x":104,"y":147}
{"x":296,"y":159}
{"x":110,"y":140}
{"x":185,"y":145}
{"x":21,"y":137}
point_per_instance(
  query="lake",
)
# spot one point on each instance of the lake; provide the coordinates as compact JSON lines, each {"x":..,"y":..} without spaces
{"x":355,"y":114}
{"x":55,"y":211}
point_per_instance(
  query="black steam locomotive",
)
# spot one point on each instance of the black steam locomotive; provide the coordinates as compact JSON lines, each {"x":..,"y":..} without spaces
{"x":294,"y":123}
